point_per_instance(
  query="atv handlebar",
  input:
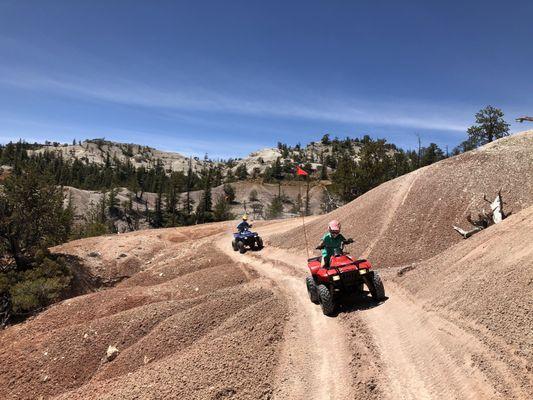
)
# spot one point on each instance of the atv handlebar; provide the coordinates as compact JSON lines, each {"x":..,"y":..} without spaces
{"x":323,"y":246}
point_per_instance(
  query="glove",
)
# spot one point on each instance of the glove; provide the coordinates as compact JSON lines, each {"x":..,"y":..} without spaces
{"x":349,"y":241}
{"x":319,"y":247}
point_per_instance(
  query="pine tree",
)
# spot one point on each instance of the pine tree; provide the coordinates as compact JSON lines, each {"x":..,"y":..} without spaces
{"x":490,"y":126}
{"x":217,"y":176}
{"x":202,"y":213}
{"x":158,"y":219}
{"x":112,"y":202}
{"x":431,"y":154}
{"x":253,"y":196}
{"x":276,"y":169}
{"x":204,"y":209}
{"x":323,"y":168}
{"x":96,"y":223}
{"x":267,"y":175}
{"x":307,"y":209}
{"x":464,"y":146}
{"x":129,"y":204}
{"x":188,"y":187}
{"x":230,"y":177}
{"x":344,"y":179}
{"x":102,"y":216}
{"x":173,"y":197}
{"x":32,"y":219}
{"x":32,"y":216}
{"x":222,"y":210}
{"x":241,"y":172}
{"x":297,"y":207}
{"x":401,"y":163}
{"x":374,"y":166}
{"x":275,"y":208}
{"x":229,"y":192}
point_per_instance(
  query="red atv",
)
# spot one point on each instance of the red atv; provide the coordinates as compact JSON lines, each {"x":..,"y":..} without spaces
{"x":344,"y":275}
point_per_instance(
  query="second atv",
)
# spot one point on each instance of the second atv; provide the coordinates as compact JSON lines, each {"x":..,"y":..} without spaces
{"x":345,"y":275}
{"x":245,"y":240}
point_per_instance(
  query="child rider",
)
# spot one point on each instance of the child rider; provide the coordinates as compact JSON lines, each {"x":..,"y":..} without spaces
{"x":332,"y":241}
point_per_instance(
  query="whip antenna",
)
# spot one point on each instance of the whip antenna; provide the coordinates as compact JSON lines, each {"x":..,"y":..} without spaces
{"x":301,"y":172}
{"x":305,"y":235}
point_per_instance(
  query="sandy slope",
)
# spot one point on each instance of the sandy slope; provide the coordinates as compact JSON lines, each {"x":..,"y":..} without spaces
{"x":427,"y":356}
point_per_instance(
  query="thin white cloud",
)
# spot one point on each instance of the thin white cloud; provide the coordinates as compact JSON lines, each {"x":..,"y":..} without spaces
{"x":405,"y":114}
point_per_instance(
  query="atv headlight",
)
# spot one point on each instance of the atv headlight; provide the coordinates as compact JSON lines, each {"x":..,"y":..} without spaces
{"x":363,"y":271}
{"x":336,"y":278}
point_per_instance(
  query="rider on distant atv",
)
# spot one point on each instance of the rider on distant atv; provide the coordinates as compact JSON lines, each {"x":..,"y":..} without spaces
{"x":244,"y":225}
{"x":332,"y":241}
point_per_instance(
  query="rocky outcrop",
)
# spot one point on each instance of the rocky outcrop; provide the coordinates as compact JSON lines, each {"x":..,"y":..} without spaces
{"x":100,"y":151}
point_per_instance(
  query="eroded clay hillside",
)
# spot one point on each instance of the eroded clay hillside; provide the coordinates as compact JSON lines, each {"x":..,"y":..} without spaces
{"x":187,"y":314}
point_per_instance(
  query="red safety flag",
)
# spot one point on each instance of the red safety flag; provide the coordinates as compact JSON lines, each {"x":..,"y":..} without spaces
{"x":300,"y":171}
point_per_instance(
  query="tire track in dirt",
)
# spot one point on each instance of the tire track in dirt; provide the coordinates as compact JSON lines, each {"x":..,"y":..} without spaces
{"x":396,"y":201}
{"x":426,"y":356}
{"x":314,"y":346}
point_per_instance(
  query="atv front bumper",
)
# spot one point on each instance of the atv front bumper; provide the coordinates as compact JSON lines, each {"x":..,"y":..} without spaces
{"x":347,"y":281}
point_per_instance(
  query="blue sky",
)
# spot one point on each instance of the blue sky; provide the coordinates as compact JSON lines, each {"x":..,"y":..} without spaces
{"x":229,"y":77}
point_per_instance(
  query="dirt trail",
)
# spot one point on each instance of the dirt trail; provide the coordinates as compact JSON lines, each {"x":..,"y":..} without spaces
{"x":314,"y":346}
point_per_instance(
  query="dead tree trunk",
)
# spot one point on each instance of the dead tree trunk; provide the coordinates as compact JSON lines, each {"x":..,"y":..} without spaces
{"x":5,"y":309}
{"x":484,"y":220}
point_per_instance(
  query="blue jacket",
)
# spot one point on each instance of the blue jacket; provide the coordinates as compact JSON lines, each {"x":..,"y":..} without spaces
{"x":243,"y":226}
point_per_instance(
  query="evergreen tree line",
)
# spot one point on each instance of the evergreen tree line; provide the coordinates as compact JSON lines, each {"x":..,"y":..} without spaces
{"x":92,"y":176}
{"x":353,"y":165}
{"x":174,"y":206}
{"x":377,"y":162}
